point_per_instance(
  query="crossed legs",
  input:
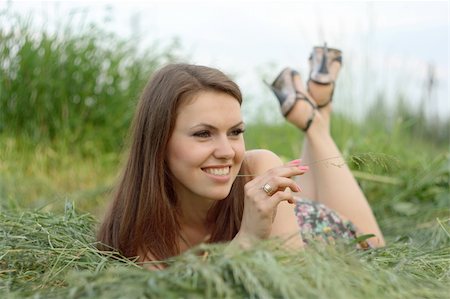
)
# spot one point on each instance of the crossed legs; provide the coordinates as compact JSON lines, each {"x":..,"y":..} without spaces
{"x":334,"y":186}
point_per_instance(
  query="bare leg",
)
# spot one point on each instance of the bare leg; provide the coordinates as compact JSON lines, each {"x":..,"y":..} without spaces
{"x":333,"y":186}
{"x":307,"y":180}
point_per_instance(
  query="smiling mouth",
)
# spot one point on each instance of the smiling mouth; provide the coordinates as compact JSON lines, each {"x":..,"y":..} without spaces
{"x":223,"y":171}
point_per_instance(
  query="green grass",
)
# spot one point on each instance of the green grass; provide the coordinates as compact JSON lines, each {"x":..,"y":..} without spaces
{"x":72,"y":84}
{"x":46,"y":255}
{"x":44,"y":176}
{"x":49,"y":251}
{"x":61,"y":141}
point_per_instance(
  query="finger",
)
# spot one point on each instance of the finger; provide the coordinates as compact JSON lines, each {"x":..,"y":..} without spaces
{"x":294,"y":162}
{"x":282,"y":196}
{"x":288,"y":170}
{"x":289,"y":191}
{"x":272,"y":185}
{"x":275,"y":184}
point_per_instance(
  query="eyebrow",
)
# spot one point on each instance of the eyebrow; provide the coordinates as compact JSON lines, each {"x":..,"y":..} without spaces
{"x":214,"y":128}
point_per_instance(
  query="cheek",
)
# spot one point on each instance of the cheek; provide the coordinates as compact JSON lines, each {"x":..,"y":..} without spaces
{"x":178,"y":157}
{"x":174,"y":156}
{"x":240,"y":151}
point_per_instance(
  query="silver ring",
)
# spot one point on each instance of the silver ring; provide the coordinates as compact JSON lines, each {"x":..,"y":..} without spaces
{"x":267,"y":188}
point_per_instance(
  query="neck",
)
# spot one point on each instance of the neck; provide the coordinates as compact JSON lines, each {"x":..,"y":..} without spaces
{"x":194,"y":228}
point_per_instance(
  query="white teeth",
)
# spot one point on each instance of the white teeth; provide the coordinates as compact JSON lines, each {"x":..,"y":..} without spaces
{"x":218,"y":171}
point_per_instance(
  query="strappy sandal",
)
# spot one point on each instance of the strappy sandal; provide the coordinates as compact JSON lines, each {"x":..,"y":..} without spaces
{"x":320,"y":61}
{"x":287,"y":95}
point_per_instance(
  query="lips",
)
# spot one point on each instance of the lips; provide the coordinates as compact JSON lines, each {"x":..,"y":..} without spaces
{"x":218,"y":171}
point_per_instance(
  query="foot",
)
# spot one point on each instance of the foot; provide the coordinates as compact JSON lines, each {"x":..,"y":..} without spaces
{"x":283,"y":88}
{"x":325,"y":64}
{"x":289,"y":97}
{"x":303,"y":112}
{"x":323,"y":93}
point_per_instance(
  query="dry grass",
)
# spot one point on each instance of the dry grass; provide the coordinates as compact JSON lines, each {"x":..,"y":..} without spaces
{"x":47,"y":255}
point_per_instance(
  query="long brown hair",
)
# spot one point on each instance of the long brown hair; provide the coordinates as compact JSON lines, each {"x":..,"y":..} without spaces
{"x":142,"y":217}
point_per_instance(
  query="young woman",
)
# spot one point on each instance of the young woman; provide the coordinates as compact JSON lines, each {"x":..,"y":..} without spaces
{"x":188,"y":178}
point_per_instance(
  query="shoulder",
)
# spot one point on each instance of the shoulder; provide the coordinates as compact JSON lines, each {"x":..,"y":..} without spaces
{"x":261,"y":160}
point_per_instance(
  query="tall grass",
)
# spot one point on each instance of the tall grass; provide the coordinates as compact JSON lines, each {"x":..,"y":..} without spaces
{"x":79,"y":85}
{"x":432,"y":129}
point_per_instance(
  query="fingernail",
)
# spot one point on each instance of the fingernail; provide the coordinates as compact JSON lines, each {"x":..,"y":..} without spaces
{"x":303,"y":167}
{"x":299,"y":189}
{"x":295,"y":162}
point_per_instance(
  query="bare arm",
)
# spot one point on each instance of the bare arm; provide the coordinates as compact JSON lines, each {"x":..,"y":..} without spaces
{"x":285,"y":225}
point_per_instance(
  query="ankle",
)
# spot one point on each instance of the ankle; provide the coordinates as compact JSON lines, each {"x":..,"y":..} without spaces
{"x":320,"y":125}
{"x":326,"y":112}
{"x":300,"y":114}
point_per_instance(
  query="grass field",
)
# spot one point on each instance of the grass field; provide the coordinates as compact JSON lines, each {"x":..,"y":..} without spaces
{"x":47,"y":247}
{"x":60,"y":156}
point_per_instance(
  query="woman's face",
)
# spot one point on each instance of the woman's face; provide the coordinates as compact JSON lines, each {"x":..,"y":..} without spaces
{"x":206,"y":149}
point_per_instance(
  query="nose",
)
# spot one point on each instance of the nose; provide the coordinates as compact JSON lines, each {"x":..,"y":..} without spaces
{"x":224,"y":148}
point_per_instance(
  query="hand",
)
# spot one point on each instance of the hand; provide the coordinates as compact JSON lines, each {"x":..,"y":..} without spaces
{"x":260,"y":205}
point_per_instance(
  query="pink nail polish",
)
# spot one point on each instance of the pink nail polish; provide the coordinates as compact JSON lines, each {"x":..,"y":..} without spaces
{"x":295,"y":162}
{"x":303,"y":167}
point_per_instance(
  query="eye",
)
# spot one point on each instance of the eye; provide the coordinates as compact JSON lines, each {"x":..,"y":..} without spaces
{"x":202,"y":134}
{"x":237,"y":132}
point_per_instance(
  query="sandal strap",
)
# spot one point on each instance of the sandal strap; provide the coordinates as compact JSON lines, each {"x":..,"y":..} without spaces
{"x":288,"y":99}
{"x":331,"y":95}
{"x":320,"y":66}
{"x":302,"y":97}
{"x":309,"y":121}
{"x":288,"y":104}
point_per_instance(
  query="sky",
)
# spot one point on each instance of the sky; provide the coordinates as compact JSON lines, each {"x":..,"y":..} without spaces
{"x":390,"y":47}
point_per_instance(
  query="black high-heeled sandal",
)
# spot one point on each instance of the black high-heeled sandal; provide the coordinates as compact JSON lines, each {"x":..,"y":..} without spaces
{"x":287,"y":95}
{"x":320,"y":61}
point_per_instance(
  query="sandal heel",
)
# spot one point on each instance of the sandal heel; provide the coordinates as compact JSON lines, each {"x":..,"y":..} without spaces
{"x":320,"y":60}
{"x":284,"y":89}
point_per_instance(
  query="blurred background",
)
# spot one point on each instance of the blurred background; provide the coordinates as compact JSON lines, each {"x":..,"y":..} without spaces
{"x":71,"y":72}
{"x":390,"y":47}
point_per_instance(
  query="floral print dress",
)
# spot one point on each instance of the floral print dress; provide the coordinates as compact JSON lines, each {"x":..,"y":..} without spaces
{"x":318,"y":222}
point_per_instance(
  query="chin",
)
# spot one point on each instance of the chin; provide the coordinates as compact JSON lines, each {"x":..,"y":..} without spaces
{"x":219,"y":195}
